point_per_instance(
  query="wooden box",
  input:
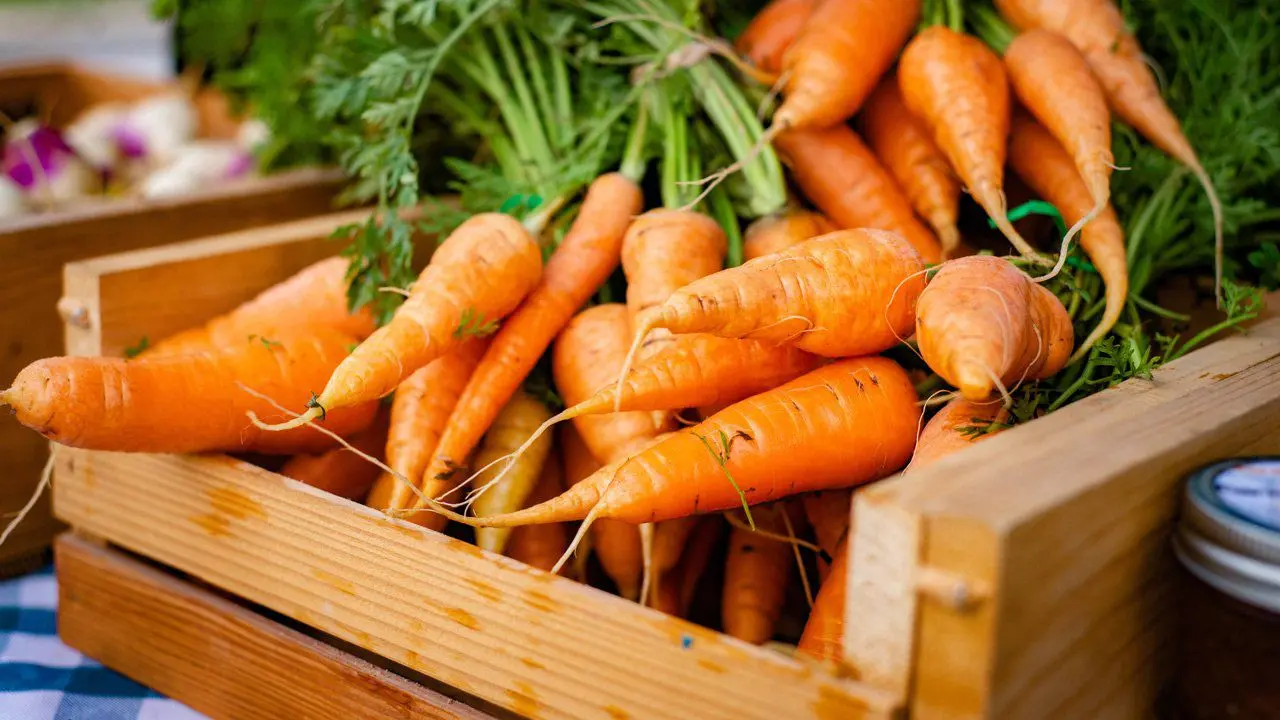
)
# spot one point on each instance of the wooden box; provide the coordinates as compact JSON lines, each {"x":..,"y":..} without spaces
{"x":34,"y":248}
{"x":1026,"y":577}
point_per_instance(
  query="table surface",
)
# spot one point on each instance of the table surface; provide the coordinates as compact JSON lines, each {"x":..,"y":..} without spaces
{"x":43,"y":679}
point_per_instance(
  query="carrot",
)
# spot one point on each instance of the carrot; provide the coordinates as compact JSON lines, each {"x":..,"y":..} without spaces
{"x":514,"y":424}
{"x":586,"y":359}
{"x":755,"y":579}
{"x":137,"y":405}
{"x":540,"y":546}
{"x":680,"y":583}
{"x":906,"y":149}
{"x":1053,"y":80}
{"x":982,"y":325}
{"x":476,"y":277}
{"x":837,"y":172}
{"x":957,"y":88}
{"x":772,"y":31}
{"x":839,"y":55}
{"x":419,"y":411}
{"x":669,"y":539}
{"x":839,"y":426}
{"x":314,"y":297}
{"x":846,"y":293}
{"x":823,"y":636}
{"x":617,"y":544}
{"x":828,"y":513}
{"x":1098,"y":29}
{"x":959,"y":424}
{"x":1047,"y":168}
{"x":584,"y":260}
{"x":663,"y":251}
{"x":773,"y":233}
{"x":340,"y":471}
{"x":947,"y":432}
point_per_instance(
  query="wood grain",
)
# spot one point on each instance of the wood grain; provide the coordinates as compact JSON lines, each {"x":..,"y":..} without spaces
{"x":219,"y":658}
{"x":527,"y":641}
{"x":33,"y":249}
{"x":1067,"y":518}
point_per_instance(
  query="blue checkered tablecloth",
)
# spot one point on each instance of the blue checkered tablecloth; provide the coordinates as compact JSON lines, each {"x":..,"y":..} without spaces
{"x":42,"y":679}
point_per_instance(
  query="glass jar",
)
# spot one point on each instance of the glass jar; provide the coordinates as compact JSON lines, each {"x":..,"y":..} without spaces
{"x":1228,"y":543}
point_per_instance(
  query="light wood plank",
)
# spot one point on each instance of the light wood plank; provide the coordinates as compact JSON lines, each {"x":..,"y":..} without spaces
{"x":533,"y":643}
{"x":216,"y":657}
{"x":1068,"y":516}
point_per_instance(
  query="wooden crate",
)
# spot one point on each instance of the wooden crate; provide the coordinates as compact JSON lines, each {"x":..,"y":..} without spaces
{"x":1026,"y":577}
{"x":33,"y":250}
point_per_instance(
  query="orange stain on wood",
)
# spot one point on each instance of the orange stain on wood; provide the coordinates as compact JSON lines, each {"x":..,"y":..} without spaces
{"x":540,"y":601}
{"x":467,"y":549}
{"x":463,"y":618}
{"x":486,"y":591}
{"x":533,"y":663}
{"x":338,"y":583}
{"x":235,"y":504}
{"x":712,"y":666}
{"x":616,"y":712}
{"x":212,"y":523}
{"x":524,"y":700}
{"x":833,"y":704}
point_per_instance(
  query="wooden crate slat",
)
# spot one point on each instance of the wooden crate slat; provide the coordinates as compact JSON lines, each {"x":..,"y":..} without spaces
{"x":524,"y":640}
{"x":1065,"y":521}
{"x":219,"y":658}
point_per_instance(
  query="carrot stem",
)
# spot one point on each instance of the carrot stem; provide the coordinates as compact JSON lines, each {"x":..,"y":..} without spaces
{"x":634,"y":158}
{"x":721,"y":207}
{"x":991,"y":28}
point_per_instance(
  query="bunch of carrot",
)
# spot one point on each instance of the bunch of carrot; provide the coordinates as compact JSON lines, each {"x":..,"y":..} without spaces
{"x":737,"y":376}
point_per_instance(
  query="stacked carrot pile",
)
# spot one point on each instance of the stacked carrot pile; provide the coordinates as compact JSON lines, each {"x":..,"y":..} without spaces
{"x":753,"y":376}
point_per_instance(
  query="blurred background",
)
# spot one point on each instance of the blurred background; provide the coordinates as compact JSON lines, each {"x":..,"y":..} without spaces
{"x":114,"y":36}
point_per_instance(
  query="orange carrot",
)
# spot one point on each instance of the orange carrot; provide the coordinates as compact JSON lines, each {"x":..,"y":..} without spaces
{"x":828,"y":513}
{"x":959,"y":424}
{"x":772,"y":31}
{"x":983,"y":325}
{"x":1098,"y":29}
{"x":1053,"y":80}
{"x":340,"y":471}
{"x":586,"y":358}
{"x":823,"y":636}
{"x":846,"y":182}
{"x":755,"y":579}
{"x":773,"y":233}
{"x":669,"y":540}
{"x":663,"y":251}
{"x":541,"y":546}
{"x":680,"y":583}
{"x":957,"y":87}
{"x":419,"y":411}
{"x":906,"y":149}
{"x":1047,"y":168}
{"x":584,"y":260}
{"x":840,"y":54}
{"x":846,"y":293}
{"x":839,"y":426}
{"x":476,"y":277}
{"x":617,"y":544}
{"x":314,"y":297}
{"x":141,"y":405}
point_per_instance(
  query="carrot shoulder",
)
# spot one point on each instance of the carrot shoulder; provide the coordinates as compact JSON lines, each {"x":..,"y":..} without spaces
{"x":842,"y":177}
{"x":587,"y":255}
{"x":772,"y":31}
{"x":477,"y":276}
{"x":144,"y":404}
{"x":773,"y":233}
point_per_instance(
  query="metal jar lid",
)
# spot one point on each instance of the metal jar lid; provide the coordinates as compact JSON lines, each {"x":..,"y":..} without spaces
{"x":1229,"y":535}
